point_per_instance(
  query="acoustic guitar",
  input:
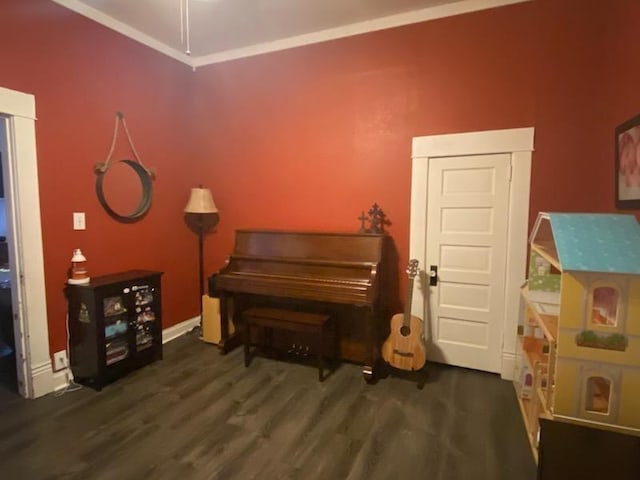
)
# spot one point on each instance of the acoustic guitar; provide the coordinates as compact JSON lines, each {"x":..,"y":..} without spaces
{"x":405,"y":348}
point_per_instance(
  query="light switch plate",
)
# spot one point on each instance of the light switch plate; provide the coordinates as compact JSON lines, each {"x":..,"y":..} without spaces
{"x":79,"y":221}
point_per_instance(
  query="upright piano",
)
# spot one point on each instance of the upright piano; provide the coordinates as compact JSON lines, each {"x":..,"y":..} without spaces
{"x":341,"y":274}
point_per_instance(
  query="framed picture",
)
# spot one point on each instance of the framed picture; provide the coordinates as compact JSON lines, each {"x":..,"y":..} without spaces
{"x":627,"y":171}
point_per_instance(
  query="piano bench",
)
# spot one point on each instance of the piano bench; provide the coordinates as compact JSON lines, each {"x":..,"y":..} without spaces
{"x":287,"y":320}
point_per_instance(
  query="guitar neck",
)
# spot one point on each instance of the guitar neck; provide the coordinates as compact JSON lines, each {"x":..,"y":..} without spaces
{"x":407,"y":303}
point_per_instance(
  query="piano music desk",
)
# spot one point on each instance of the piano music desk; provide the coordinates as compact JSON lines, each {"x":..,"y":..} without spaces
{"x":315,"y":324}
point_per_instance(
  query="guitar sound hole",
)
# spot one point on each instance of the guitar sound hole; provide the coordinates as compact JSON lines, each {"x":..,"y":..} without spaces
{"x":405,"y":331}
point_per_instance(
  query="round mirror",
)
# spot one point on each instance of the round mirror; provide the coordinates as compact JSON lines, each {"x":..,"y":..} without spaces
{"x":124,"y":190}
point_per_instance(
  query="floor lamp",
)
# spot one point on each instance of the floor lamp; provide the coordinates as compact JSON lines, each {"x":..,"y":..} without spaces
{"x":201,"y":215}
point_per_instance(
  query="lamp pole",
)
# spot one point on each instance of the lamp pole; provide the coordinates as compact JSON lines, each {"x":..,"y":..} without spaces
{"x":201,"y":261}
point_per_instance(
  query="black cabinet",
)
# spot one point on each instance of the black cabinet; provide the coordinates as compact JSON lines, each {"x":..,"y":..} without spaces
{"x":569,"y":451}
{"x":115,"y":326}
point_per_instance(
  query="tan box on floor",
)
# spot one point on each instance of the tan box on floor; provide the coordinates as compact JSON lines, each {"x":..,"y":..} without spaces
{"x":211,"y":327}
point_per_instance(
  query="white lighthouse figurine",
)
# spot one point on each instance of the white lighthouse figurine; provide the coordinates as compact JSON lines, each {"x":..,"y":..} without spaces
{"x":78,"y":269}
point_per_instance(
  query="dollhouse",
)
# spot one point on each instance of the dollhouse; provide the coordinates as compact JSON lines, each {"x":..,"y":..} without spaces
{"x":579,"y":356}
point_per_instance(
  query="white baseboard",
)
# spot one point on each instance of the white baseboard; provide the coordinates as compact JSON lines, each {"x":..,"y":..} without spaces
{"x":59,"y":379}
{"x":41,"y":379}
{"x":179,"y":329}
{"x":508,"y":365}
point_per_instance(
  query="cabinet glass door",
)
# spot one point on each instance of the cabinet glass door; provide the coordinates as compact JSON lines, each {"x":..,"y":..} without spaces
{"x":116,"y":328}
{"x":145,"y":317}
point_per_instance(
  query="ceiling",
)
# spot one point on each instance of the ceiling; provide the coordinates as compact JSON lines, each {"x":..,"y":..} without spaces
{"x":220,"y":30}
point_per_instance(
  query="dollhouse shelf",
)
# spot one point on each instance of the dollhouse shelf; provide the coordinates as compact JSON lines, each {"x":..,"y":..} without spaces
{"x":532,"y":349}
{"x":526,"y":410}
{"x":547,"y":250}
{"x":542,"y":400}
{"x":548,"y":322}
{"x":578,"y":355}
{"x":531,"y":413}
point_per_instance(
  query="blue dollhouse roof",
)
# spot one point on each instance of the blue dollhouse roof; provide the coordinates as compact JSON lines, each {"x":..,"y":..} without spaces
{"x":597,"y":242}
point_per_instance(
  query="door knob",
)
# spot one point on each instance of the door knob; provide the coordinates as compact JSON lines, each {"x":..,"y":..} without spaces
{"x":433,"y":275}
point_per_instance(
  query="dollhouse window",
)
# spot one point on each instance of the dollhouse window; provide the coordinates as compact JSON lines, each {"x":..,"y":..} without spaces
{"x":528,"y":380}
{"x":598,"y":394}
{"x":604,"y":310}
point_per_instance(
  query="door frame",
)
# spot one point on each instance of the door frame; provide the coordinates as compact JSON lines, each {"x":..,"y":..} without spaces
{"x":24,"y":235}
{"x":519,"y":143}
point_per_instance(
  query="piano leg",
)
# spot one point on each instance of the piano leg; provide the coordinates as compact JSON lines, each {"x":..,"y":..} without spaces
{"x":368,"y":371}
{"x":233,"y":341}
{"x":227,"y":342}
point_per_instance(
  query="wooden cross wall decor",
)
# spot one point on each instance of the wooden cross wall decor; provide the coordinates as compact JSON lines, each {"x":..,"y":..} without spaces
{"x":377,"y":220}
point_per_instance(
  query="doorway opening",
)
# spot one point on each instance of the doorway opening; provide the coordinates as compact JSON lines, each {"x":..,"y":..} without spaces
{"x":34,"y":371}
{"x":8,"y":366}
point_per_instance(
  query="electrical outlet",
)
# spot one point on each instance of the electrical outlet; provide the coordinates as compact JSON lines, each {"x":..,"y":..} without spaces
{"x":60,"y":360}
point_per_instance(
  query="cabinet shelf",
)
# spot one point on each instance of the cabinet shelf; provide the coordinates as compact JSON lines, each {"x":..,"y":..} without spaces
{"x":111,"y":338}
{"x":115,"y":359}
{"x":113,"y":319}
{"x":143,"y":346}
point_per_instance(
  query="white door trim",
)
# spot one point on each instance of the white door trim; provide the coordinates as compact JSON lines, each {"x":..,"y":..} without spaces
{"x":519,"y":143}
{"x":17,"y":112}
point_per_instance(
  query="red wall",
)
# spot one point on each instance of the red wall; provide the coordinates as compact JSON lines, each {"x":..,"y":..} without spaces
{"x":568,"y":79}
{"x":81,"y":74}
{"x":587,"y":76}
{"x":310,"y":137}
{"x":620,"y":89}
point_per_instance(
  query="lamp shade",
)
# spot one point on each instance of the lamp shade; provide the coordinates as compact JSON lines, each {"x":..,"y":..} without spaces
{"x":200,"y":201}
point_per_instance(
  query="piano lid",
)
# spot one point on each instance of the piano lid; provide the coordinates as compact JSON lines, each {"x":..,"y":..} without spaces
{"x":329,"y":246}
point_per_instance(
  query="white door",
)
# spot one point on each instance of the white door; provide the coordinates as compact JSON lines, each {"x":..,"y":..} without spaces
{"x":466,"y":240}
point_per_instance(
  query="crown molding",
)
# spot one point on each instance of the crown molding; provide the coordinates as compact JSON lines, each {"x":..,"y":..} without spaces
{"x":416,"y":16}
{"x":391,"y":21}
{"x":126,"y":30}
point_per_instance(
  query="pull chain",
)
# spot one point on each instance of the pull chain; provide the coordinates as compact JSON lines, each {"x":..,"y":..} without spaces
{"x":184,"y":25}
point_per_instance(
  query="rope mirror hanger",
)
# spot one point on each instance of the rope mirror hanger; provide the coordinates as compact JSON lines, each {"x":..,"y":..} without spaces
{"x":145,"y":176}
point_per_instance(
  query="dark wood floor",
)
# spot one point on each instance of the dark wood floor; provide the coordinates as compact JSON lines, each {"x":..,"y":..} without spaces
{"x":200,"y":415}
